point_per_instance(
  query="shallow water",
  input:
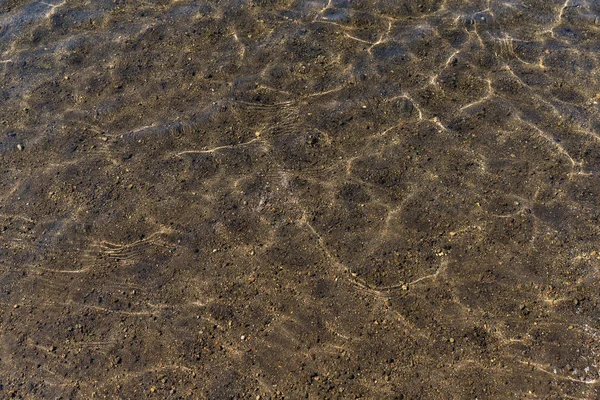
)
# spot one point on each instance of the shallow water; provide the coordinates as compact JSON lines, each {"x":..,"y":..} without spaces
{"x":342,"y":199}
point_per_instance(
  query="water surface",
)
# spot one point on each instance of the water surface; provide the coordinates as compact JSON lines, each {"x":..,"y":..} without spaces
{"x":288,"y":199}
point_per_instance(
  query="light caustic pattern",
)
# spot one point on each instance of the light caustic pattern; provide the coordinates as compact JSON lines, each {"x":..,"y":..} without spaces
{"x":300,"y":198}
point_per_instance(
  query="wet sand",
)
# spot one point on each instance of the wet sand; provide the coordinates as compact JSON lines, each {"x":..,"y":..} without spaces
{"x":299,"y":199}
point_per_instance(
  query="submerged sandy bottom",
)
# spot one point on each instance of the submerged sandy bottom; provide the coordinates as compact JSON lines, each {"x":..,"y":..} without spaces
{"x":299,"y":199}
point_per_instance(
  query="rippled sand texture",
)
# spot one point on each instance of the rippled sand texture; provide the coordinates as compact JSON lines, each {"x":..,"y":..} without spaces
{"x":343,"y":199}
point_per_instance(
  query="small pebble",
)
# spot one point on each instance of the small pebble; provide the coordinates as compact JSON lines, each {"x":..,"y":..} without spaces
{"x":20,"y":147}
